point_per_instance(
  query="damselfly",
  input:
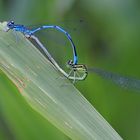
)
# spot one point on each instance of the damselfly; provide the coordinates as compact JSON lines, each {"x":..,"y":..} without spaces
{"x":29,"y":32}
{"x":77,"y":71}
{"x":81,"y":71}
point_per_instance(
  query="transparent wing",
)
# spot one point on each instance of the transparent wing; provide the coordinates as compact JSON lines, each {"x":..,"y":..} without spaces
{"x":123,"y":81}
{"x":57,"y":43}
{"x":73,"y":27}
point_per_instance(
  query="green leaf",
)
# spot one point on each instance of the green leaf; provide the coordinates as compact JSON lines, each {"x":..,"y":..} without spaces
{"x":49,"y":92}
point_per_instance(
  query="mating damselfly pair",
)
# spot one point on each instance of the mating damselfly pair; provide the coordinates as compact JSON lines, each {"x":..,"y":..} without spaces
{"x":77,"y":71}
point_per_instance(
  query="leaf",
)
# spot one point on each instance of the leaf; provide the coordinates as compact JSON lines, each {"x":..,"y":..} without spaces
{"x":53,"y":97}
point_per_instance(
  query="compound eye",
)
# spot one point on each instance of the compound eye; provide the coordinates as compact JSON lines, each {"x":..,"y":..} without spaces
{"x":10,"y":24}
{"x":70,"y":62}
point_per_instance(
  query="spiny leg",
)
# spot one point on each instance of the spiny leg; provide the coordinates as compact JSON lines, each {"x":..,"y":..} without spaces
{"x":70,"y":72}
{"x":78,"y":74}
{"x":74,"y":77}
{"x":16,"y":36}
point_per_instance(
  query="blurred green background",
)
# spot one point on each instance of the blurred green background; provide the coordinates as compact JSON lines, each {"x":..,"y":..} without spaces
{"x":109,"y":39}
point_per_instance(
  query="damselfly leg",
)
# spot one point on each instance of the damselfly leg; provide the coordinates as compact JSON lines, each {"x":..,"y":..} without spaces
{"x":77,"y":71}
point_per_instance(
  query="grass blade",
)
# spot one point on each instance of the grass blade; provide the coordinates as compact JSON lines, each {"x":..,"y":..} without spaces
{"x":40,"y":84}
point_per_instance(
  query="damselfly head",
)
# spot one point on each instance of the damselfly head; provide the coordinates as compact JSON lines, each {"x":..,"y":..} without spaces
{"x":70,"y":63}
{"x":11,"y":24}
